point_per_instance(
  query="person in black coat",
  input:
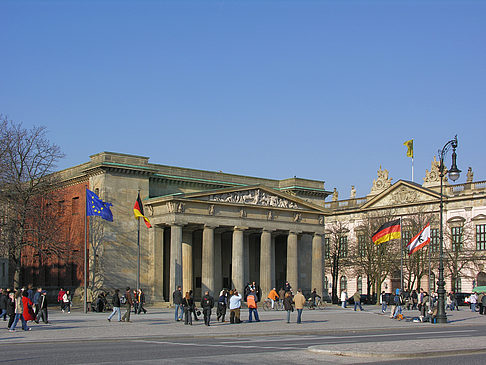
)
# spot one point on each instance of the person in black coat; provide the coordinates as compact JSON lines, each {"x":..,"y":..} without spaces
{"x":115,"y":301}
{"x":207,"y":303}
{"x":188,"y":306}
{"x":42,"y":313}
{"x":3,"y":304}
{"x":11,"y":308}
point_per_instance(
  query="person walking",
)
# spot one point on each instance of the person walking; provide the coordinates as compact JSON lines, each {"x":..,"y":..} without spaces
{"x":344,"y":298}
{"x":3,"y":304}
{"x":177,"y":300}
{"x":222,"y":305}
{"x":383,"y":301}
{"x":235,"y":305}
{"x":36,"y":301}
{"x":187,"y":305}
{"x":357,"y":301}
{"x":299,"y":301}
{"x":473,"y":301}
{"x":19,"y":310}
{"x":129,"y":303}
{"x":115,"y":301}
{"x":281,"y":296}
{"x":60,"y":295}
{"x":141,"y":302}
{"x":288,"y":305}
{"x":207,"y":304}
{"x":66,"y":298}
{"x":251,"y":301}
{"x":28,"y":310}
{"x":11,"y":308}
{"x":194,"y":308}
{"x":42,"y":314}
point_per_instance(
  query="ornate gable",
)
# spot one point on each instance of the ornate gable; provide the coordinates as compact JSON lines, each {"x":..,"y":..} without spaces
{"x":401,"y":193}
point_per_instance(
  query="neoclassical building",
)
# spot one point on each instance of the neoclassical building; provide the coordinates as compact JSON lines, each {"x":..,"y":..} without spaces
{"x":212,"y":229}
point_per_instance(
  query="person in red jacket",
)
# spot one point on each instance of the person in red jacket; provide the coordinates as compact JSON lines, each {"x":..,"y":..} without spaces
{"x":60,"y":295}
{"x":27,"y":304}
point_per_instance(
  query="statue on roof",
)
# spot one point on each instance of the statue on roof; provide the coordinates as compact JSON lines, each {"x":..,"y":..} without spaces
{"x":382,"y":182}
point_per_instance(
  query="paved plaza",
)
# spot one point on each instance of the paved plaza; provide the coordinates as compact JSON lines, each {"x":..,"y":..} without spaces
{"x":331,"y":333}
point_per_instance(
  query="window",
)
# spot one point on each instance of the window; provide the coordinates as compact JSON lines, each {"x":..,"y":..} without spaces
{"x":406,"y":237}
{"x":434,"y":240}
{"x":359,"y":284}
{"x":326,"y":283}
{"x":326,"y":248}
{"x":481,"y":237}
{"x":343,"y":283}
{"x":343,"y":246}
{"x":361,"y":245}
{"x":456,"y":238}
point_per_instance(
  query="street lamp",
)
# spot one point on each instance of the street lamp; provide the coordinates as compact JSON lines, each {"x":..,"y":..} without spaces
{"x":454,"y":174}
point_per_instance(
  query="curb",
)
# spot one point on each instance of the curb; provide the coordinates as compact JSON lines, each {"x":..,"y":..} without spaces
{"x":394,"y":355}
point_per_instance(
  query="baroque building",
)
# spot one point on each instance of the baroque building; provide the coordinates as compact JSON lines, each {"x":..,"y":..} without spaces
{"x":213,"y":229}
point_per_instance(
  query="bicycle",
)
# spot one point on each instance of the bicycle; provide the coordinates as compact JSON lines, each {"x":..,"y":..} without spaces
{"x":318,"y":305}
{"x":267,"y":305}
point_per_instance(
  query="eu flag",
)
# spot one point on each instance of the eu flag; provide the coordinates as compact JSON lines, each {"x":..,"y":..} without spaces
{"x":96,"y":206}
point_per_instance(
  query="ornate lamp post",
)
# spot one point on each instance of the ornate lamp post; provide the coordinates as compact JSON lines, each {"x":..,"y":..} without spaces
{"x":454,"y":174}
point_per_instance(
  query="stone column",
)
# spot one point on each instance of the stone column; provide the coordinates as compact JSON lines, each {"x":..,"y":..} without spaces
{"x":208,"y":260}
{"x":187,"y":271}
{"x":317,"y":263}
{"x":266,"y":262}
{"x":156,"y":236}
{"x":292,"y":261}
{"x":237,"y":269}
{"x":218,"y":265}
{"x":175,"y":258}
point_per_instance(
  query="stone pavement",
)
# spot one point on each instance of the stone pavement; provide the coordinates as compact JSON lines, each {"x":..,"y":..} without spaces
{"x":159,"y":323}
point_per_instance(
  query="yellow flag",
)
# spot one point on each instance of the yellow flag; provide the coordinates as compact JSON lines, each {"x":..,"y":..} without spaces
{"x":409,"y":145}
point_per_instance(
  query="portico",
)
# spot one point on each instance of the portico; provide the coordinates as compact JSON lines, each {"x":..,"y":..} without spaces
{"x":229,"y":237}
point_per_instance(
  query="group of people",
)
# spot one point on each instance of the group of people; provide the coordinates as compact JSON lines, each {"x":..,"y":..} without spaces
{"x":23,"y":304}
{"x":131,"y":299}
{"x":231,"y":299}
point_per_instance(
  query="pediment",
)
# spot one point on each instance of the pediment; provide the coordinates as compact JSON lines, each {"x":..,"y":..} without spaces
{"x":402,"y":193}
{"x":254,"y":196}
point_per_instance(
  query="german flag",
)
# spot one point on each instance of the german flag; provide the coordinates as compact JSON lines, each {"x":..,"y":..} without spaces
{"x":387,"y":232}
{"x":138,"y":211}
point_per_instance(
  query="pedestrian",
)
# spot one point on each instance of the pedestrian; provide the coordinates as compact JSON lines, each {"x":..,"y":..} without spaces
{"x":177,"y":300}
{"x":141,"y":301}
{"x":344,"y":298}
{"x":207,"y":304}
{"x":414,"y":299}
{"x":235,"y":305}
{"x":194,"y":310}
{"x":28,"y":309}
{"x":222,"y":305}
{"x":66,"y":298}
{"x":135,"y":301}
{"x":281,"y":296}
{"x":115,"y":301}
{"x":42,"y":314}
{"x":357,"y":301}
{"x":30,"y":292}
{"x":273,"y":296}
{"x":37,"y":297}
{"x":288,"y":305}
{"x":251,"y":301}
{"x":421,"y":299}
{"x":187,"y":305}
{"x":299,"y":301}
{"x":473,"y":301}
{"x":11,"y":308}
{"x":383,"y":301}
{"x":89,"y":298}
{"x":397,"y":304}
{"x":287,"y":287}
{"x":128,"y":302}
{"x":19,"y":310}
{"x":3,"y":304}
{"x":60,"y":295}
{"x":314,"y":298}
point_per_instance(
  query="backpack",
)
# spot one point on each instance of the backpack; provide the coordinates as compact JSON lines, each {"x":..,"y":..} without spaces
{"x":123,"y":300}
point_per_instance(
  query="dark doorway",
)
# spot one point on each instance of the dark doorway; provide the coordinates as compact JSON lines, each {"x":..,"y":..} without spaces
{"x":280,"y":261}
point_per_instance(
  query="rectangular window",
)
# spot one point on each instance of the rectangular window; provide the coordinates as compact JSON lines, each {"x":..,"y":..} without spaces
{"x":456,"y":238}
{"x":327,"y":249}
{"x":434,"y":240}
{"x":343,"y":246}
{"x":361,"y":245}
{"x":481,"y":237}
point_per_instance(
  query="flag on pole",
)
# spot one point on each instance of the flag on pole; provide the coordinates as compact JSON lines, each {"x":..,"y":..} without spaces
{"x":388,"y":231}
{"x":420,"y":240}
{"x":96,"y":206}
{"x":138,"y":211}
{"x":409,"y":145}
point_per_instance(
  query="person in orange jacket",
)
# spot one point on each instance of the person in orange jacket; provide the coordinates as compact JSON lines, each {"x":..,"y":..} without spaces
{"x":273,"y":296}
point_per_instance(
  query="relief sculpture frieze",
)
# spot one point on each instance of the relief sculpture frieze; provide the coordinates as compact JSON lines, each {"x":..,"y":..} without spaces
{"x":256,"y":197}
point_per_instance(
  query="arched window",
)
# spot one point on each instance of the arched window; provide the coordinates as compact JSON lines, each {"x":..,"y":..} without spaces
{"x":326,"y":283}
{"x":432,"y":282}
{"x":481,"y":279}
{"x":359,"y":284}
{"x":343,"y":282}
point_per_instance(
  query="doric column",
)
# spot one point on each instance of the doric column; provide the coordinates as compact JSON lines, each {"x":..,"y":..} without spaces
{"x":266,"y":261}
{"x":237,"y":260}
{"x":292,"y":261}
{"x":317,"y":262}
{"x":156,"y":237}
{"x":208,"y":260}
{"x":175,"y":258}
{"x":187,"y":273}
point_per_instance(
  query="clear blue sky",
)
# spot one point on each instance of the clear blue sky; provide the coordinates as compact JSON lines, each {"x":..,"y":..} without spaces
{"x":317,"y":89}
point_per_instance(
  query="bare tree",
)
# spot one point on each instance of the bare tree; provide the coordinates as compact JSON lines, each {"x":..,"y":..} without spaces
{"x":26,"y":190}
{"x":337,"y":250}
{"x":96,"y":264}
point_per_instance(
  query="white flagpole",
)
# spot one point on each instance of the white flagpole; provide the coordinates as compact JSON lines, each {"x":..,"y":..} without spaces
{"x":412,"y":168}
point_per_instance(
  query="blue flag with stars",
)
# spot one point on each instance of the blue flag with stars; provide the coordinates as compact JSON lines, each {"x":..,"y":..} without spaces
{"x":96,"y":206}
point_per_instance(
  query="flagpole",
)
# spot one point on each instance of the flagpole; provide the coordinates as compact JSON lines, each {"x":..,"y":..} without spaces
{"x":85,"y":296}
{"x":412,"y":168}
{"x":430,"y":293}
{"x":401,"y":255}
{"x":138,"y":251}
